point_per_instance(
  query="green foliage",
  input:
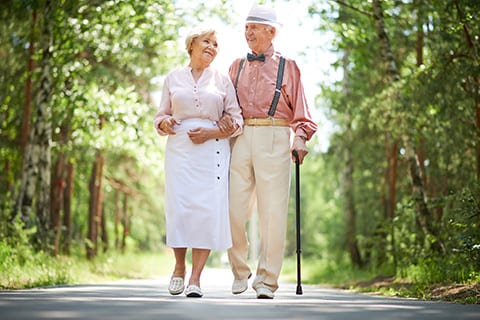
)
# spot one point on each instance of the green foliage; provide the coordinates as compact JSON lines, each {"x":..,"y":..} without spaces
{"x":326,"y":271}
{"x":44,"y":270}
{"x":21,"y":266}
{"x":435,"y":102}
{"x":105,"y":55}
{"x":130,"y":265}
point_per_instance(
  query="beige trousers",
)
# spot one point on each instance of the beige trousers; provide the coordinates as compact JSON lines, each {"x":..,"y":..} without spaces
{"x":260,"y":171}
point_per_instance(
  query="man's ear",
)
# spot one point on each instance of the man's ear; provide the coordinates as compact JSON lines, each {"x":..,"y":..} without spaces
{"x":273,"y":31}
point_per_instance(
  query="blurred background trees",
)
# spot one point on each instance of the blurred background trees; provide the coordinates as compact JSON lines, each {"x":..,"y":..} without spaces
{"x":396,"y":192}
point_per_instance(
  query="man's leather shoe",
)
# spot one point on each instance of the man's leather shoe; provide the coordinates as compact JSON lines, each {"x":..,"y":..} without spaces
{"x":264,"y":293}
{"x":239,"y":286}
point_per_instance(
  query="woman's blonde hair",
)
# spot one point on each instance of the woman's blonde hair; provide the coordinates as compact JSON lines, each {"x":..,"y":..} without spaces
{"x":196,"y":33}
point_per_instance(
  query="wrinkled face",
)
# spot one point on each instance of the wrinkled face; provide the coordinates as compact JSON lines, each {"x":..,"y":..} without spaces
{"x":205,"y":48}
{"x":259,"y":36}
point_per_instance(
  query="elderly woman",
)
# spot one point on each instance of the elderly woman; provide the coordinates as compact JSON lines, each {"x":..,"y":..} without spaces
{"x":194,"y":98}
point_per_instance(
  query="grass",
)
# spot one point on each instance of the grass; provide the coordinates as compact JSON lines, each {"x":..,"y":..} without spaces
{"x":331,"y":274}
{"x":42,"y":270}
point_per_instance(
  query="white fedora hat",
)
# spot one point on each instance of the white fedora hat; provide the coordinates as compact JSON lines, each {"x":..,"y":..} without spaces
{"x":263,"y":15}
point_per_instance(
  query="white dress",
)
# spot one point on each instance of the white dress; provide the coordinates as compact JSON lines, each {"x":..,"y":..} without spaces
{"x":196,"y":175}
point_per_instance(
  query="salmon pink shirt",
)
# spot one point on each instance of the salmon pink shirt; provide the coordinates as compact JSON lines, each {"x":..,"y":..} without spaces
{"x":256,"y":87}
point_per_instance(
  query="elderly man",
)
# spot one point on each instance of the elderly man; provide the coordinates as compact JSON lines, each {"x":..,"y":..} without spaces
{"x":274,"y":108}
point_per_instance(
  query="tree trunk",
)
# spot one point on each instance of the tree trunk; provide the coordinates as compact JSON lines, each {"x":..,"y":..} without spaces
{"x":94,"y":210}
{"x":96,"y":200}
{"x":477,"y":122}
{"x":92,"y":224}
{"x":393,"y":159}
{"x":423,"y":213}
{"x":348,"y":191}
{"x":37,"y":162}
{"x":67,"y":209}
{"x":58,"y":189}
{"x":350,"y":212}
{"x":104,"y":234}
{"x":125,"y":222}
{"x":99,"y":193}
{"x":27,"y":108}
{"x":117,"y":219}
{"x":57,"y":200}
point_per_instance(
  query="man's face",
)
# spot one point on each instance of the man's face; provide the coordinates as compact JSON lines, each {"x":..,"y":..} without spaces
{"x":259,"y":36}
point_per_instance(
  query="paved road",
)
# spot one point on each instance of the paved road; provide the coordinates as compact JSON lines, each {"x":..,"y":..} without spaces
{"x":149,"y":299}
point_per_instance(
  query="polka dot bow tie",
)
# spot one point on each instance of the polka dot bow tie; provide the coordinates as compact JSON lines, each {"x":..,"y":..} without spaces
{"x":251,"y":57}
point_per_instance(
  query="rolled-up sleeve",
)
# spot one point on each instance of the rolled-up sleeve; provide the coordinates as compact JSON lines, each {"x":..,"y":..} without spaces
{"x":232,"y":107}
{"x":164,"y":110}
{"x":302,"y":123}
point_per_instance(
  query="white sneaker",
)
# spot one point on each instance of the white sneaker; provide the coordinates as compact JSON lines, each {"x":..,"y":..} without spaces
{"x":239,"y":286}
{"x":264,"y":293}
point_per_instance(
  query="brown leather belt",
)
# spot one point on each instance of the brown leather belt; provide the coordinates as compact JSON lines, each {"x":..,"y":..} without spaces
{"x":256,"y":122}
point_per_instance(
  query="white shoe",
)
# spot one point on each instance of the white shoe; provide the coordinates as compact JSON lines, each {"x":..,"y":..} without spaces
{"x":264,"y":293}
{"x":239,"y":286}
{"x":176,"y":285}
{"x":193,"y":291}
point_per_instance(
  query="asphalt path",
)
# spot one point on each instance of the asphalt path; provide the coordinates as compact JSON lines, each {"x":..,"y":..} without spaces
{"x":149,"y":299}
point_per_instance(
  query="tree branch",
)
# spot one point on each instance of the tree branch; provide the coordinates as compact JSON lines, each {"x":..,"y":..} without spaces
{"x":343,"y":3}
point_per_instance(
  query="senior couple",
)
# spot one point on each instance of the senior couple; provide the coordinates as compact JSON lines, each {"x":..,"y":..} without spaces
{"x":229,"y":146}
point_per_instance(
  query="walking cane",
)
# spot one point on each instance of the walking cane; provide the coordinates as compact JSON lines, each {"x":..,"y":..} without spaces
{"x":297,"y":203}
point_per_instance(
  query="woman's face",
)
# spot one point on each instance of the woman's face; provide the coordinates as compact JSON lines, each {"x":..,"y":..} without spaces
{"x":259,"y":37}
{"x":205,"y":48}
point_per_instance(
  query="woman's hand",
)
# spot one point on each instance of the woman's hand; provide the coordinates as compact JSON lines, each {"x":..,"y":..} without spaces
{"x":167,"y":125}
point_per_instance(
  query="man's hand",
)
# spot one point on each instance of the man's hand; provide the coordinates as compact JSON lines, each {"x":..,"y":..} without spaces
{"x":227,"y":125}
{"x":167,"y":125}
{"x":299,"y":145}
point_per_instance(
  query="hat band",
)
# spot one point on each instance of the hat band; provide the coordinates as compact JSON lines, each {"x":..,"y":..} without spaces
{"x":251,"y":18}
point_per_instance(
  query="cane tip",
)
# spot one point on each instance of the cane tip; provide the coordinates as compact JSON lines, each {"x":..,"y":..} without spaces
{"x":299,"y":290}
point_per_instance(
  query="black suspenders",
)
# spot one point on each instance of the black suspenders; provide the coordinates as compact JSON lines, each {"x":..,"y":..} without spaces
{"x":238,"y":73}
{"x":278,"y":86}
